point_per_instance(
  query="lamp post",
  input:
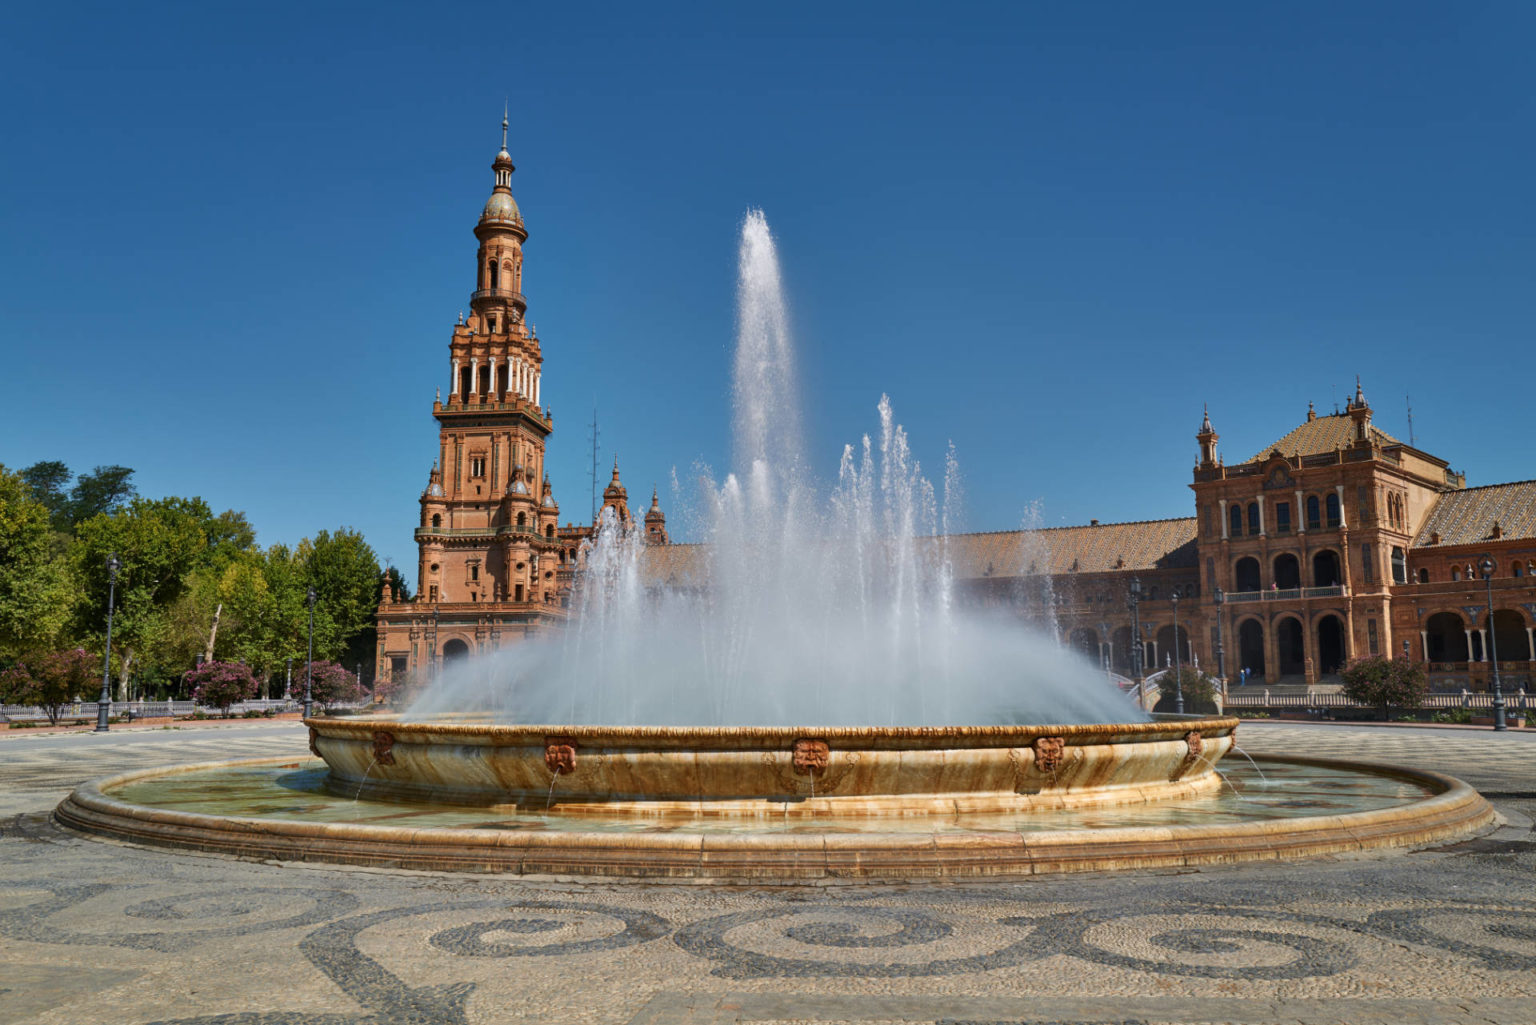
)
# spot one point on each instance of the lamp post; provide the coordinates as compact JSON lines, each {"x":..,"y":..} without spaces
{"x":104,"y":703}
{"x":1221,"y":653}
{"x":1493,"y":648}
{"x":1134,"y":600}
{"x":309,"y":663}
{"x":432,"y":655}
{"x":1178,"y":682}
{"x":1107,"y":650}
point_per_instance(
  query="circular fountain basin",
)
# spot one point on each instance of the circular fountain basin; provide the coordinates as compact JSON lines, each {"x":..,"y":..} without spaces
{"x":759,"y":772}
{"x":290,"y":809}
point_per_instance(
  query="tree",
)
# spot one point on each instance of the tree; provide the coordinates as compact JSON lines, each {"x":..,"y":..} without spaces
{"x":396,"y":581}
{"x":37,"y":588}
{"x":330,"y":684}
{"x":103,"y":490}
{"x":345,"y":575}
{"x":1199,"y":691}
{"x":1384,"y":682}
{"x":221,"y":684}
{"x":48,"y":480}
{"x":51,"y":681}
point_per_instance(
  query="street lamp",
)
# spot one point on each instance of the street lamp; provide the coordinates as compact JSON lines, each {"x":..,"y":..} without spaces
{"x":1178,"y":682}
{"x":1107,"y":650}
{"x":1493,"y":648}
{"x":432,"y":655}
{"x":1221,"y":656}
{"x":309,"y":663}
{"x":104,"y":703}
{"x":1134,"y":600}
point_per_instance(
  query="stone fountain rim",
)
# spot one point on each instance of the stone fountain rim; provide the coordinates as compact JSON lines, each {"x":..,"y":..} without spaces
{"x":1450,"y":810}
{"x":948,"y":736}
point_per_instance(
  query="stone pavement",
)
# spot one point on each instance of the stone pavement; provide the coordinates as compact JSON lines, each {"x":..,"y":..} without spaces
{"x":98,"y":932}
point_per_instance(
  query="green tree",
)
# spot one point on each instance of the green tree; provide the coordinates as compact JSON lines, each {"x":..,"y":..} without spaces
{"x":48,"y":481}
{"x":344,"y":572}
{"x":158,"y":542}
{"x":1199,"y":691}
{"x":1384,"y":682}
{"x":103,"y":490}
{"x":37,"y":588}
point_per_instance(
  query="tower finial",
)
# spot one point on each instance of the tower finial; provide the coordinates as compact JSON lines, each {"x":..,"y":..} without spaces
{"x":504,"y":109}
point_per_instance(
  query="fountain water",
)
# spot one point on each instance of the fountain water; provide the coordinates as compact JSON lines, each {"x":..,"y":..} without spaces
{"x":837,"y":610}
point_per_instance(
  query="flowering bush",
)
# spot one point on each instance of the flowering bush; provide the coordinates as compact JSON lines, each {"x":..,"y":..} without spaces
{"x":221,"y":684}
{"x":50,"y":681}
{"x":330,"y":684}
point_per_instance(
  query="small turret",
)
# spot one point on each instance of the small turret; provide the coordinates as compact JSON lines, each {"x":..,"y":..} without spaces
{"x":1360,"y":413}
{"x":1207,"y":438}
{"x":655,"y":522}
{"x":615,"y":497}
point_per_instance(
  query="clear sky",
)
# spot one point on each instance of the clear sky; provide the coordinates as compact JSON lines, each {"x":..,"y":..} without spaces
{"x":233,"y":239}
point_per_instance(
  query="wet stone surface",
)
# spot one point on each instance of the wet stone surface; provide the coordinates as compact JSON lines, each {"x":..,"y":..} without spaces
{"x":99,"y":932}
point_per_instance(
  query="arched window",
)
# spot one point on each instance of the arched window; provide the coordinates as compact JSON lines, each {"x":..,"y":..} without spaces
{"x":1423,"y":576}
{"x":1455,"y":572}
{"x":549,"y":530}
{"x":1253,"y":517}
{"x":1314,"y":513}
{"x":495,"y":274}
{"x":1519,"y":569}
{"x":1399,"y":566}
{"x":437,"y":521}
{"x":1236,"y":519}
{"x":1245,"y":575}
{"x":522,"y":519}
{"x":1333,"y":509}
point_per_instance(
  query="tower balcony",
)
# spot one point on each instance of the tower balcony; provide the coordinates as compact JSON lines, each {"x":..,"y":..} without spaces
{"x":501,"y":295}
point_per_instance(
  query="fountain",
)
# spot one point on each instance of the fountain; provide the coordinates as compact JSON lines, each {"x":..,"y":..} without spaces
{"x":709,"y":712}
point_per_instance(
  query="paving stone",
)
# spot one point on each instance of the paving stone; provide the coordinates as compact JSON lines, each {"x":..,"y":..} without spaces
{"x":96,"y":932}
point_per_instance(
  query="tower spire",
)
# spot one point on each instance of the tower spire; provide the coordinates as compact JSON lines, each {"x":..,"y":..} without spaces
{"x":503,"y":124}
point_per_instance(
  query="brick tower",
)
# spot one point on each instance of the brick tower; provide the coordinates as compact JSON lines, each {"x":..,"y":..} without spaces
{"x":493,"y":564}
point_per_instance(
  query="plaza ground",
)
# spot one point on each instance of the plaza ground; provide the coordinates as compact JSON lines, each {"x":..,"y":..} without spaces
{"x":94,"y":932}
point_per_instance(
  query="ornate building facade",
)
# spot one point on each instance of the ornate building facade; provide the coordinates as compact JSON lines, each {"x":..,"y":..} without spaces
{"x":1335,"y":541}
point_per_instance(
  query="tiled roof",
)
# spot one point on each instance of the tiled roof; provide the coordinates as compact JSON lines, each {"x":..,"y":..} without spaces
{"x":1467,"y":517}
{"x":1099,"y":548}
{"x":1326,"y":433}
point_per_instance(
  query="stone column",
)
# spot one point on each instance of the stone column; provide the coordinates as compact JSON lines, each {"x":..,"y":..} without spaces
{"x":1223,"y":519}
{"x":1343,"y":517}
{"x":1424,"y":645}
{"x":1301,"y":515}
{"x":1262,"y":503}
{"x":453,"y":386}
{"x":474,"y":377}
{"x":1483,"y":634}
{"x":1469,"y":642}
{"x":536,"y":378}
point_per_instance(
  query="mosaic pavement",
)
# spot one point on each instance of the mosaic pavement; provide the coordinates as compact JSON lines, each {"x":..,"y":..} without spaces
{"x":97,"y":932}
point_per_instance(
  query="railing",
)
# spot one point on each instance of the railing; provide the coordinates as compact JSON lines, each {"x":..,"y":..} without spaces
{"x":147,"y":709}
{"x":1261,"y":697}
{"x":499,"y":293}
{"x":1286,"y":594}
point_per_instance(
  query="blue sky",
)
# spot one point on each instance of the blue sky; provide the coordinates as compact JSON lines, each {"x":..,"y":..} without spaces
{"x":233,"y":239}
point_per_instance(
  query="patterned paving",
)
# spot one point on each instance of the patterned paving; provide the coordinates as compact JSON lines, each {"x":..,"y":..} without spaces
{"x":97,"y":932}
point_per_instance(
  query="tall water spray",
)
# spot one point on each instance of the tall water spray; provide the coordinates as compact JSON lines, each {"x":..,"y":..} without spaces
{"x":797,"y":608}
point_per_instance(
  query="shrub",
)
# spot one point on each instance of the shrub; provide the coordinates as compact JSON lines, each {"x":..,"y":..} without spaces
{"x":330,"y":684}
{"x":1383,"y":682}
{"x":49,"y":681}
{"x":221,"y":684}
{"x":1199,"y":691}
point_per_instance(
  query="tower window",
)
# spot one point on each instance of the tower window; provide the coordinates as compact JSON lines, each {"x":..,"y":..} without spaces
{"x":437,"y":521}
{"x":522,"y":519}
{"x":1253,"y":517}
{"x":477,"y":466}
{"x":495,"y":275}
{"x":1399,"y":566}
{"x":1423,"y":576}
{"x":1314,"y":513}
{"x":1333,"y":510}
{"x":1282,"y":517}
{"x":474,"y":571}
{"x":1236,"y":518}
